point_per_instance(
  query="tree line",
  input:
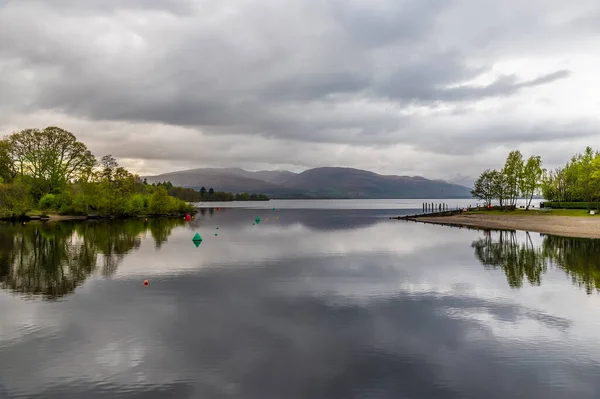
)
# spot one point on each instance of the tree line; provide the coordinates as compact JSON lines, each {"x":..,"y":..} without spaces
{"x":192,"y":195}
{"x":517,"y":178}
{"x":578,"y":181}
{"x":50,"y":170}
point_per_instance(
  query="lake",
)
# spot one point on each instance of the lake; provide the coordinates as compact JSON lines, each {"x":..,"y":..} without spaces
{"x":308,"y":303}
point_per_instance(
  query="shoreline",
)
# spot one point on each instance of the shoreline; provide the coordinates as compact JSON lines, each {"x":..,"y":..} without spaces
{"x":58,"y":218}
{"x":566,"y":226}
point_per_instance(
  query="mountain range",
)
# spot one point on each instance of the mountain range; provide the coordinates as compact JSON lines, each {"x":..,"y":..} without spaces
{"x":325,"y":182}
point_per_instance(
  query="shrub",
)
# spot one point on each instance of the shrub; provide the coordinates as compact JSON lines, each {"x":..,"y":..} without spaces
{"x":135,"y":205}
{"x":79,"y":206}
{"x":159,"y":202}
{"x":47,"y":202}
{"x":14,"y":200}
{"x":571,"y":205}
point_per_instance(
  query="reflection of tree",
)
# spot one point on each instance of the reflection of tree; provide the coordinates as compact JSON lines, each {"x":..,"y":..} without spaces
{"x":52,"y":259}
{"x":516,"y":260}
{"x":161,"y":229}
{"x":46,"y":260}
{"x":579,"y":258}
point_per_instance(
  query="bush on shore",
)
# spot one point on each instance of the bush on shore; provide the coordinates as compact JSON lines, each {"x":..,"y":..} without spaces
{"x":572,"y":205}
{"x":68,"y":179}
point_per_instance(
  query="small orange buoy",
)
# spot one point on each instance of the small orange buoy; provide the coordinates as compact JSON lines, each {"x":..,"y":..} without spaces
{"x":146,"y":282}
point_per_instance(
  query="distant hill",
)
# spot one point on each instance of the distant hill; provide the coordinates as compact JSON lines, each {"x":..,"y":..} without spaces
{"x":326,"y":182}
{"x":356,"y":183}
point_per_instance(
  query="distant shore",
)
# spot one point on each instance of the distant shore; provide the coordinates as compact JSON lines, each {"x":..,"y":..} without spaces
{"x":556,"y":224}
{"x":57,"y":217}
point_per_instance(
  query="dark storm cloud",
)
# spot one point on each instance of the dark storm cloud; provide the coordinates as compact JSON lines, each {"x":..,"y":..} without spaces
{"x":314,"y":71}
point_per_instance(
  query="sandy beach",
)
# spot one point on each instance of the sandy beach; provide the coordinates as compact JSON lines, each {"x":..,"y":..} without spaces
{"x":569,"y":226}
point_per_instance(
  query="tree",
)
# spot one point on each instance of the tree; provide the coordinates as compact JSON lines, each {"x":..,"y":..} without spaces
{"x":7,"y":170}
{"x":108,"y":166}
{"x":211,"y":191}
{"x":202,"y":191}
{"x":531,"y":178}
{"x":116,"y":186}
{"x":49,"y":158}
{"x":499,"y":186}
{"x":553,"y":185}
{"x":159,"y":201}
{"x":513,"y":170}
{"x":484,"y":187}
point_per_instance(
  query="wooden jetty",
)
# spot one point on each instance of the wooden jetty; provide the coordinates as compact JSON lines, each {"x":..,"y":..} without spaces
{"x":430,"y":214}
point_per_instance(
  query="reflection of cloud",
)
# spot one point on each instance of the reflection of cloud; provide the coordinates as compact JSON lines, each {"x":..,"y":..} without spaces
{"x":229,"y":333}
{"x":241,"y":243}
{"x":390,"y":309}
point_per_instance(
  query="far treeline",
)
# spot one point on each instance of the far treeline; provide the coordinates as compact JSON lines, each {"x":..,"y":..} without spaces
{"x":49,"y":170}
{"x":191,"y":195}
{"x":574,"y":185}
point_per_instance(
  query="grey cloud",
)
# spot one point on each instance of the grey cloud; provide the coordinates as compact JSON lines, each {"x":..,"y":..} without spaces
{"x":297,"y":72}
{"x":105,"y":6}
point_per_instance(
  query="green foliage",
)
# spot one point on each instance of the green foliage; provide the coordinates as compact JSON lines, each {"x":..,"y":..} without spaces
{"x":484,"y":186}
{"x":572,"y":205}
{"x":577,"y":181}
{"x":191,"y":195}
{"x":531,"y":178}
{"x":48,"y":159}
{"x":7,"y":170}
{"x":47,"y":202}
{"x":512,"y":171}
{"x":52,"y":169}
{"x":135,"y":205}
{"x":159,"y":202}
{"x":14,"y":200}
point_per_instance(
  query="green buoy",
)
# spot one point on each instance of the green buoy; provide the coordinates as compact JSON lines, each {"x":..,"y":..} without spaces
{"x":216,"y":234}
{"x":257,"y":220}
{"x":197,"y":243}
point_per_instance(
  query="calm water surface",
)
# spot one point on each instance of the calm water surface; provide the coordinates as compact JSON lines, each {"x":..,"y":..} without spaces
{"x":307,"y":304}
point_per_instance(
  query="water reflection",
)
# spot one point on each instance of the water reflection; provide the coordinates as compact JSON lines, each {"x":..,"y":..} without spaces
{"x":52,"y":259}
{"x":521,"y":259}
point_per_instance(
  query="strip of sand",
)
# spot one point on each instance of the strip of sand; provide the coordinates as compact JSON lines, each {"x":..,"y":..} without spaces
{"x":568,"y":226}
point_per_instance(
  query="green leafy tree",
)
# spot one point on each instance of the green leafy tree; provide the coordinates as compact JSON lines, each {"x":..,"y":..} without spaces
{"x":513,"y":171}
{"x":14,"y":200}
{"x":484,"y":187}
{"x":202,"y":191}
{"x":531,"y":178}
{"x":159,"y":202}
{"x":7,"y":167}
{"x":48,"y":158}
{"x":499,"y":186}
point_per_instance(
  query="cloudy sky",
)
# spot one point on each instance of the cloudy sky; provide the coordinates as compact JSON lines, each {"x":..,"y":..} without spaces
{"x":420,"y":87}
